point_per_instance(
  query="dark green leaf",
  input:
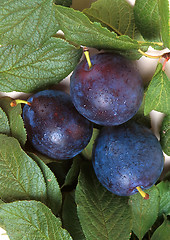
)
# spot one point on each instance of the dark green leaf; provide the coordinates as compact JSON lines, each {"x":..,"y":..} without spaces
{"x":87,"y":151}
{"x":30,"y":220}
{"x":66,"y":3}
{"x":25,"y":69}
{"x":147,"y":19}
{"x":132,"y":54}
{"x":4,"y":123}
{"x":54,"y":197}
{"x":20,"y":177}
{"x":164,"y":191}
{"x":162,"y":232}
{"x":72,"y":175}
{"x":165,"y":135}
{"x":70,"y":219}
{"x":163,"y":6}
{"x":29,"y":22}
{"x":102,"y":214}
{"x":115,"y":15}
{"x":79,"y":29}
{"x":141,"y":118}
{"x":15,"y":120}
{"x":60,"y":169}
{"x":145,"y":212}
{"x":157,"y":95}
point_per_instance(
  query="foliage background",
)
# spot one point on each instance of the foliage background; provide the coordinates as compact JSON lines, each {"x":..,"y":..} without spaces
{"x":146,"y":67}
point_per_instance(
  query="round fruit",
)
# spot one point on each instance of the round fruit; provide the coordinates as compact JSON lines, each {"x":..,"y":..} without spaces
{"x":126,"y":157}
{"x":110,"y":92}
{"x":54,"y":126}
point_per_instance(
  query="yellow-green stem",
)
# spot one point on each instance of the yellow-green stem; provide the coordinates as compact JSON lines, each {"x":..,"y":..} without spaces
{"x":142,"y":193}
{"x":17,"y":101}
{"x":149,"y":56}
{"x":86,"y":53}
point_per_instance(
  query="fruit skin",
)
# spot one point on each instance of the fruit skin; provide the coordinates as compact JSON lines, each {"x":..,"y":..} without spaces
{"x":127,"y":156}
{"x":54,"y":126}
{"x":110,"y":93}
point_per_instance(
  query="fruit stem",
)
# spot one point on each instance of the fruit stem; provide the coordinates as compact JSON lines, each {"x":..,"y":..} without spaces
{"x":14,"y":103}
{"x":86,"y":53}
{"x":142,"y":193}
{"x":156,"y":43}
{"x":147,"y":55}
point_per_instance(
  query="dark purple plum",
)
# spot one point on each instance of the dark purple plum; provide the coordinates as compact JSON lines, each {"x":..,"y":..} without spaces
{"x":127,"y":156}
{"x":110,"y":92}
{"x":53,"y":125}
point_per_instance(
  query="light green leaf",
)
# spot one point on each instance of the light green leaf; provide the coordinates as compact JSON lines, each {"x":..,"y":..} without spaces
{"x":163,"y":6}
{"x":1,"y":202}
{"x":162,"y":232}
{"x":25,"y":69}
{"x":102,"y":214}
{"x":115,"y":15}
{"x":4,"y":124}
{"x":69,"y":217}
{"x":87,"y":151}
{"x":164,"y":191}
{"x":165,"y":135}
{"x":15,"y":120}
{"x":79,"y":29}
{"x":157,"y":95}
{"x":147,"y":19}
{"x":29,"y":22}
{"x":54,"y":198}
{"x":20,"y":177}
{"x":31,"y":220}
{"x":145,"y":212}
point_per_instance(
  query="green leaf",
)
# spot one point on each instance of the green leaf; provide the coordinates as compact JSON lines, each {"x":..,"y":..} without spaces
{"x":79,"y":29}
{"x":87,"y":151}
{"x":1,"y":202}
{"x":164,"y":191}
{"x":165,"y":135}
{"x":145,"y":212}
{"x":102,"y":214}
{"x":31,"y":220}
{"x":25,"y":69}
{"x":162,"y":232}
{"x":15,"y":120}
{"x":157,"y":95}
{"x":54,"y":197}
{"x":31,"y":22}
{"x":20,"y":177}
{"x":147,"y":19}
{"x":115,"y":15}
{"x":4,"y":123}
{"x":163,"y":6}
{"x":70,"y":218}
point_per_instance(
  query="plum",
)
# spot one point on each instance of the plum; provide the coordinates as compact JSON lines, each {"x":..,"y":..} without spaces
{"x":126,"y":157}
{"x":108,"y":93}
{"x":53,"y":125}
